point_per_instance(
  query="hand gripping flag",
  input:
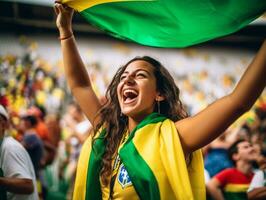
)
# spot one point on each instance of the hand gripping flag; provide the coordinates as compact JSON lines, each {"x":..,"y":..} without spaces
{"x":169,"y":23}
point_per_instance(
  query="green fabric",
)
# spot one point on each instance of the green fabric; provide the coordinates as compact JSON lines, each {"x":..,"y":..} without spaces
{"x":56,"y":187}
{"x":137,"y":167}
{"x":235,"y":196}
{"x":93,"y":184}
{"x":173,"y":23}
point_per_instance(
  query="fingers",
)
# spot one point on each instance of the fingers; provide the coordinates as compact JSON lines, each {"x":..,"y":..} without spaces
{"x":59,"y":7}
{"x":69,"y":9}
{"x":56,"y":10}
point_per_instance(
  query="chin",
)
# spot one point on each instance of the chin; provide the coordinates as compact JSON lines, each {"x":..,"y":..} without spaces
{"x":129,"y":113}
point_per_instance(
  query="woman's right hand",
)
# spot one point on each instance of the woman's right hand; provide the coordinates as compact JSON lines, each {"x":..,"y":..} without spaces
{"x":64,"y":18}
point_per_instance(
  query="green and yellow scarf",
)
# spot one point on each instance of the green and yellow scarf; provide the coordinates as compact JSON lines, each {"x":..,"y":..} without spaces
{"x":155,"y":162}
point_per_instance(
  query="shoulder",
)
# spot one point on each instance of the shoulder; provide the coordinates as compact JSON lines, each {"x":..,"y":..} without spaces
{"x":12,"y":147}
{"x":259,"y":174}
{"x":226,"y":172}
{"x":12,"y":144}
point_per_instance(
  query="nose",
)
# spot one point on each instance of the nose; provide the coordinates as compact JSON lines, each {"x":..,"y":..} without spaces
{"x":129,"y":79}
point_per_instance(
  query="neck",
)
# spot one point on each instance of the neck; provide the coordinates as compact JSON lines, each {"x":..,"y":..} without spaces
{"x":132,"y":123}
{"x":244,"y":167}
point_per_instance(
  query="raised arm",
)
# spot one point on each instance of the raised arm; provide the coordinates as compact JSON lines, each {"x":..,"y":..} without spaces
{"x":75,"y":71}
{"x":201,"y":129}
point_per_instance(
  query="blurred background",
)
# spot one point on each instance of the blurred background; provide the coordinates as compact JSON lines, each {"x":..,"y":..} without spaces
{"x":32,"y":82}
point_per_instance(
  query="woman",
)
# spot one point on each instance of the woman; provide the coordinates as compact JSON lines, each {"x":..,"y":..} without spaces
{"x":143,"y":122}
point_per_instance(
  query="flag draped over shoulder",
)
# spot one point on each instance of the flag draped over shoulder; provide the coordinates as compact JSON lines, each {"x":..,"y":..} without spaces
{"x":154,"y":160}
{"x":169,"y":23}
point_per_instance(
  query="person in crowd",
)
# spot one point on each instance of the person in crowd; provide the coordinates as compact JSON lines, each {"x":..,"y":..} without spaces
{"x":216,"y":158}
{"x":75,"y":122}
{"x":52,"y":122}
{"x":41,"y":128}
{"x":17,"y":177}
{"x":257,"y":187}
{"x":32,"y":142}
{"x":144,"y":145}
{"x":232,"y":183}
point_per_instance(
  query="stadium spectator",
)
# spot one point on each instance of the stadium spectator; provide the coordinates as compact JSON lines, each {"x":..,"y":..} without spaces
{"x":17,"y":180}
{"x":232,"y":183}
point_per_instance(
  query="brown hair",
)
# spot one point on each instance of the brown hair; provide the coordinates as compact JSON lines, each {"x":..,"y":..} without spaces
{"x":116,"y":123}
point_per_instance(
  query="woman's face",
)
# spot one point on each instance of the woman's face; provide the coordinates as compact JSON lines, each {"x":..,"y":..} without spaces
{"x":137,"y":90}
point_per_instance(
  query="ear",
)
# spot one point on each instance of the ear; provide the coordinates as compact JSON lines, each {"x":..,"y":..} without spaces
{"x":159,"y":97}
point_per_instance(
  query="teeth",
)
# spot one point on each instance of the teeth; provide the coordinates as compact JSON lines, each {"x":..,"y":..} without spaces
{"x":129,"y":91}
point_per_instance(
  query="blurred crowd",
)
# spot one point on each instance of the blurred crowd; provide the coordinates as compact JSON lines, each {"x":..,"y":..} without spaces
{"x":51,"y":126}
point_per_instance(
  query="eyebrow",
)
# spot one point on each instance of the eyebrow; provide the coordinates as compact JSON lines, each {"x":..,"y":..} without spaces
{"x":137,"y":70}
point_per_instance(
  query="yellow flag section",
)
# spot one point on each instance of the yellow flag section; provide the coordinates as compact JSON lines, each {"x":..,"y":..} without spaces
{"x":159,"y":145}
{"x":81,"y":5}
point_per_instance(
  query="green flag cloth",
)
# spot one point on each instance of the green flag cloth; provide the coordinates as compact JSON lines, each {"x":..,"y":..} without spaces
{"x":169,"y":23}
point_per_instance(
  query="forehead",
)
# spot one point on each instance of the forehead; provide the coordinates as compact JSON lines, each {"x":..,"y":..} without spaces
{"x":243,"y":144}
{"x":139,"y":65}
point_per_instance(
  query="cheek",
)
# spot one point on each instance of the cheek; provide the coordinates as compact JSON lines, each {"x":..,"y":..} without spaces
{"x":149,"y":93}
{"x":150,"y":89}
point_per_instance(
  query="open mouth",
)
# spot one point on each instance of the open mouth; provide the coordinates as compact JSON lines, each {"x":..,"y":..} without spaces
{"x":129,"y":95}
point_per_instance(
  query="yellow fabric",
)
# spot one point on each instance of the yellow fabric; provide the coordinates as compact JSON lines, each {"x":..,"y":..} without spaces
{"x":236,"y":187}
{"x":160,"y":146}
{"x":81,"y":5}
{"x":81,"y":176}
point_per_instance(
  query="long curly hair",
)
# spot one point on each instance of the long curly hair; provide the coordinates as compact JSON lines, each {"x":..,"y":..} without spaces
{"x":116,"y":123}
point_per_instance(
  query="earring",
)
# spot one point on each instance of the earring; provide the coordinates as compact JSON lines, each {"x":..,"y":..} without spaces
{"x":158,"y":107}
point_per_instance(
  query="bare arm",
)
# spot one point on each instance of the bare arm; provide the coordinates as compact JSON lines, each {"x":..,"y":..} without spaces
{"x":257,"y":194}
{"x":75,"y":71}
{"x":17,"y":185}
{"x":197,"y":131}
{"x":213,"y":186}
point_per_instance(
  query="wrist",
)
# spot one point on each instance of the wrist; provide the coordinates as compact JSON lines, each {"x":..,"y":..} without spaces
{"x":64,"y":33}
{"x":65,"y":38}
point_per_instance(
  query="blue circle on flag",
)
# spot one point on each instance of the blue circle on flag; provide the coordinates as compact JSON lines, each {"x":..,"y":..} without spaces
{"x":123,"y":177}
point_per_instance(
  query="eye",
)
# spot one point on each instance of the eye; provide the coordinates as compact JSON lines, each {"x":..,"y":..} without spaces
{"x":122,"y":77}
{"x":141,"y":75}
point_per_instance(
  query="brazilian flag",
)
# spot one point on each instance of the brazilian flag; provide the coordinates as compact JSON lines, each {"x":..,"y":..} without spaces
{"x":169,"y":23}
{"x":154,"y":160}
